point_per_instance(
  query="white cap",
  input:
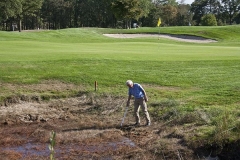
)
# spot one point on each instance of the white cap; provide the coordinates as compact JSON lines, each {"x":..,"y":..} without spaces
{"x":129,"y":82}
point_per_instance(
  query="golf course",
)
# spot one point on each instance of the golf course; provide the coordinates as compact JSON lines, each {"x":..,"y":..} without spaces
{"x":72,"y":82}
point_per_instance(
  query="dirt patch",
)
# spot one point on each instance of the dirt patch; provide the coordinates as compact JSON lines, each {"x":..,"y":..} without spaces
{"x":87,"y":127}
{"x":184,"y":38}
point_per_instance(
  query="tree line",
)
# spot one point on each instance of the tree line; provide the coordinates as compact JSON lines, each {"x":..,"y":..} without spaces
{"x":59,"y":14}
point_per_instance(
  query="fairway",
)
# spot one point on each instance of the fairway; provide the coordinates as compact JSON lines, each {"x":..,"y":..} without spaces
{"x":182,"y":79}
{"x":158,"y":62}
{"x":110,"y":62}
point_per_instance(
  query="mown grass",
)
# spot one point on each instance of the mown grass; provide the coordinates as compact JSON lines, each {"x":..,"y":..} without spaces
{"x":195,"y":76}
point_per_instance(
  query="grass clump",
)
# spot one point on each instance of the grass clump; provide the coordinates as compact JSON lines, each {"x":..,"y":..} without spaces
{"x":219,"y":127}
{"x":52,"y":145}
{"x":164,"y":110}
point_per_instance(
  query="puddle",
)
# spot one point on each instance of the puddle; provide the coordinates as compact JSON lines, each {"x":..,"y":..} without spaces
{"x":29,"y":149}
{"x":41,"y":150}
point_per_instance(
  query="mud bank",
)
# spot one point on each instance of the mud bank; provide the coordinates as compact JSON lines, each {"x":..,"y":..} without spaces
{"x":88,"y":127}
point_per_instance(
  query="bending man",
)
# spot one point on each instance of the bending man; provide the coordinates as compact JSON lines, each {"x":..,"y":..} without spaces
{"x":140,"y":99}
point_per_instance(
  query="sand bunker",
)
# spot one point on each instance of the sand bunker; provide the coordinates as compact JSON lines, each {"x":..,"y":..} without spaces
{"x":184,"y":38}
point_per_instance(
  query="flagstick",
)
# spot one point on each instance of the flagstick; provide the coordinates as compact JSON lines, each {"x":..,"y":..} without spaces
{"x":159,"y":24}
{"x":158,"y":33}
{"x":158,"y":37}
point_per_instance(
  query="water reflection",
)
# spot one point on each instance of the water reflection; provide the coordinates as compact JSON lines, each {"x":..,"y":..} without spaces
{"x":41,"y":150}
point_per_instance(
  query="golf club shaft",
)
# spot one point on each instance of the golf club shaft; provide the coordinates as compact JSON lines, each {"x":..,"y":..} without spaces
{"x":124,"y":114}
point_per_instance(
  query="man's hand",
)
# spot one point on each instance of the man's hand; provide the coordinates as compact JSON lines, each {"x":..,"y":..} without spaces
{"x":128,"y":103}
{"x":146,"y":98}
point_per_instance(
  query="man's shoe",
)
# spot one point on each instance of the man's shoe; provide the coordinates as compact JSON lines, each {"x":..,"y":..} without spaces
{"x":137,"y":124}
{"x":148,"y":124}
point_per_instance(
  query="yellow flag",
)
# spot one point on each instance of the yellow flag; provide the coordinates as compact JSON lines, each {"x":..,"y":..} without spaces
{"x":159,"y":22}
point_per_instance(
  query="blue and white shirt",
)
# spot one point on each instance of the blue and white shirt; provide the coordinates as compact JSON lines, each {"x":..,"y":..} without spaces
{"x":137,"y":91}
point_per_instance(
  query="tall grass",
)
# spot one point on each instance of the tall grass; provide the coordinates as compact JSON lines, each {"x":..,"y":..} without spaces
{"x":52,"y":145}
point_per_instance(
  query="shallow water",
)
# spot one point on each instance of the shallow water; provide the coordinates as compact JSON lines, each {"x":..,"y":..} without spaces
{"x":41,"y":150}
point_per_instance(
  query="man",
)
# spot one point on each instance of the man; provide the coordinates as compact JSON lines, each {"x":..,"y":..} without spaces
{"x":140,"y":99}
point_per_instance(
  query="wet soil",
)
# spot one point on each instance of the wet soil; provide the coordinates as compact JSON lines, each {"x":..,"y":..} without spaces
{"x":86,"y":127}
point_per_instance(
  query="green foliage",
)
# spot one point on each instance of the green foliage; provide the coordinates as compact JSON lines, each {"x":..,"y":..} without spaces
{"x":209,"y":20}
{"x":59,"y":14}
{"x":203,"y":7}
{"x":231,"y":8}
{"x":9,"y":8}
{"x":169,"y":14}
{"x":164,"y":110}
{"x":226,"y":128}
{"x":31,"y":7}
{"x":130,"y":9}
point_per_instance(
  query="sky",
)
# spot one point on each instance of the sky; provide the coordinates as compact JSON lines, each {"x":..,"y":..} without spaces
{"x":187,"y":1}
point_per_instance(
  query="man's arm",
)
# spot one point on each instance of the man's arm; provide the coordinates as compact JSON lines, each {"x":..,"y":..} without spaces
{"x":145,"y":94}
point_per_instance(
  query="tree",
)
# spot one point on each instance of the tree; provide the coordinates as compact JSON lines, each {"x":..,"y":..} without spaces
{"x":198,"y":7}
{"x":209,"y":20}
{"x":130,"y":9}
{"x":95,"y":13}
{"x":231,"y":8}
{"x":58,"y":13}
{"x":9,"y":8}
{"x":184,"y":17}
{"x":28,"y":8}
{"x":170,"y":14}
{"x":164,"y":2}
{"x":223,"y":10}
{"x":152,"y":18}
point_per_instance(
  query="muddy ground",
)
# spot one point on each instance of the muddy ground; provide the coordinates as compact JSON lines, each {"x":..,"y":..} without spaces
{"x":87,"y":126}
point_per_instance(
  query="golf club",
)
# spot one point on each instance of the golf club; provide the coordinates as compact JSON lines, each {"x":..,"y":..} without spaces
{"x":124,"y":115}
